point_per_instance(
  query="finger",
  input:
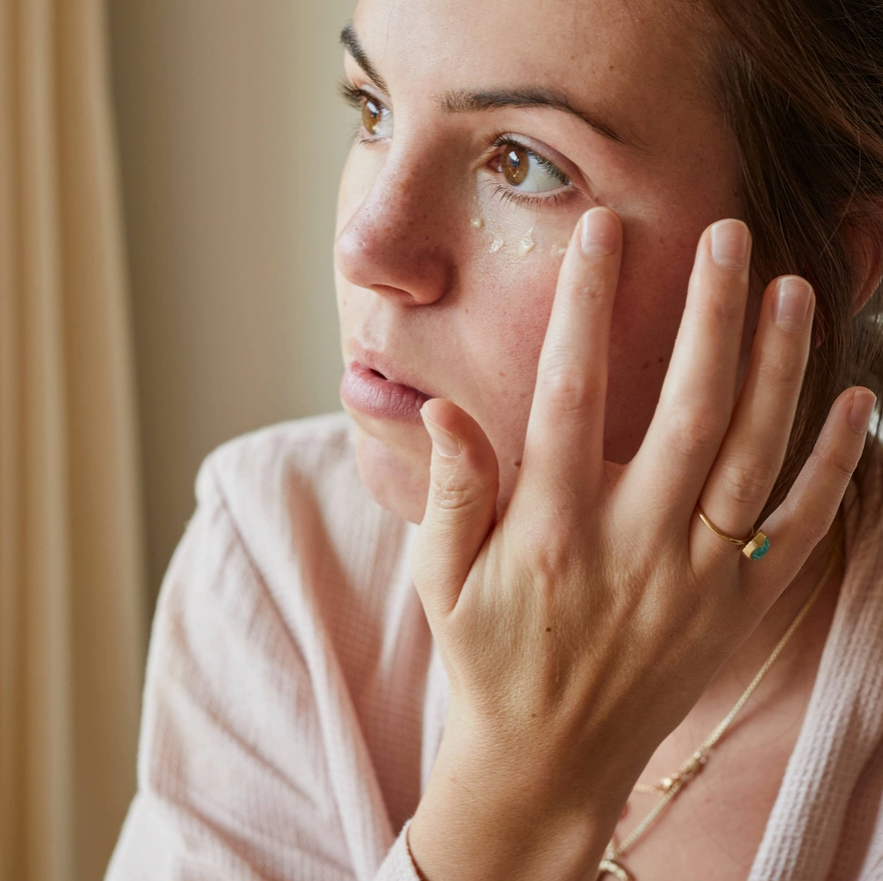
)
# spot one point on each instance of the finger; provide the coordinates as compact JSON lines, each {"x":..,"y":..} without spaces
{"x":460,"y":507}
{"x":696,"y":401}
{"x":752,"y":453}
{"x":806,"y":515}
{"x":565,"y":434}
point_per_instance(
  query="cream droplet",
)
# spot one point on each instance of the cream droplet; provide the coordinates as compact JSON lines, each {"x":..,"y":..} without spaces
{"x":527,"y":244}
{"x":477,"y":222}
{"x":496,"y":244}
{"x":558,"y":251}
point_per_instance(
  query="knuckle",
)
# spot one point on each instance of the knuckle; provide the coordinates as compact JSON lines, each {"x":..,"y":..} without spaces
{"x":746,"y":480}
{"x":839,"y":465}
{"x":719,"y":309}
{"x":451,"y":491}
{"x":548,"y":545}
{"x":690,"y":433}
{"x":589,"y":291}
{"x":566,"y":387}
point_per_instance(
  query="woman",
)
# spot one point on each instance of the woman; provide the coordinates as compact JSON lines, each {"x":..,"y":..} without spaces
{"x":608,"y":278}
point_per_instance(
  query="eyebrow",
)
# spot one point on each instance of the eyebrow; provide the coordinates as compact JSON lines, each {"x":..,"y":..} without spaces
{"x":465,"y":101}
{"x":476,"y":101}
{"x":354,"y":47}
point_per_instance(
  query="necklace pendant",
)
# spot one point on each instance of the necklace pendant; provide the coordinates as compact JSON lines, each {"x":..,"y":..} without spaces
{"x":611,"y":867}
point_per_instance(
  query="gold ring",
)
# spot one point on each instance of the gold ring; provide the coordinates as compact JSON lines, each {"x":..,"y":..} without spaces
{"x":754,"y":547}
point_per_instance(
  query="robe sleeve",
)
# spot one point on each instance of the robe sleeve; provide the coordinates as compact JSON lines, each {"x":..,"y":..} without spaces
{"x":233,"y":780}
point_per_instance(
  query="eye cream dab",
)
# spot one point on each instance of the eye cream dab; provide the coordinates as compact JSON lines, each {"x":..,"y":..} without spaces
{"x":497,"y":244}
{"x":477,"y":222}
{"x":527,"y":244}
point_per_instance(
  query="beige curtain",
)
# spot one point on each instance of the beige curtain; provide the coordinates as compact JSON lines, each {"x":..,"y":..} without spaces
{"x":71,"y":592}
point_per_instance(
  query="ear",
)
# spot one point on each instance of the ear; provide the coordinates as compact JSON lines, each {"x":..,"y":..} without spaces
{"x":863,"y":242}
{"x":863,"y":239}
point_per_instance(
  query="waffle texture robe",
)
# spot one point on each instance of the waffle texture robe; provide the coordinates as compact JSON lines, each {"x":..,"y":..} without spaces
{"x":294,"y":700}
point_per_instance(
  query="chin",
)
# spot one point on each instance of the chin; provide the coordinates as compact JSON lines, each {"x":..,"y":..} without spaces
{"x":396,"y":476}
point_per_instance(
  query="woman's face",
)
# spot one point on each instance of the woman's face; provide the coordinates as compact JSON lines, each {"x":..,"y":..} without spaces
{"x":488,"y":127}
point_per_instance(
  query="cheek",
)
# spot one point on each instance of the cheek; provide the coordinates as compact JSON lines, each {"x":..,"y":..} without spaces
{"x":499,"y":333}
{"x":514,"y":258}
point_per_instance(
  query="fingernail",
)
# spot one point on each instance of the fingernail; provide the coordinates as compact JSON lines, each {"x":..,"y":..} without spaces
{"x":729,"y":243}
{"x":442,"y":439}
{"x":600,"y":232}
{"x":792,"y":303}
{"x":860,"y":412}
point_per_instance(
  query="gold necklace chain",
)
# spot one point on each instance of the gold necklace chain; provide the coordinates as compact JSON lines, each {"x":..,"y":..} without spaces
{"x":669,"y":787}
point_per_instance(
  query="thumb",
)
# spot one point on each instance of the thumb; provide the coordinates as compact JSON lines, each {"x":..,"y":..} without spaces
{"x":460,"y":507}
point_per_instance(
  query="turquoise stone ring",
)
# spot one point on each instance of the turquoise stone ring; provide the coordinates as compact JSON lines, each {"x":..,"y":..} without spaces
{"x":757,"y":547}
{"x":753,"y":548}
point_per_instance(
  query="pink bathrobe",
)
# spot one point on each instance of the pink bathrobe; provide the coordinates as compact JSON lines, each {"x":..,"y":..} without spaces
{"x":295,"y":701}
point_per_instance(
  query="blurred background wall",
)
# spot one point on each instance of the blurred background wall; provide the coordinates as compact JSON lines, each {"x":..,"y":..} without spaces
{"x":168,"y":178}
{"x":231,"y":140}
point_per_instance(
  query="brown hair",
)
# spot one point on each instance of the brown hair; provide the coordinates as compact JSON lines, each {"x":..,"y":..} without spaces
{"x":801,"y":85}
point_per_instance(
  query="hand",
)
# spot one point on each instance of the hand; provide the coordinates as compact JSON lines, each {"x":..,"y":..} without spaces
{"x":580,"y":628}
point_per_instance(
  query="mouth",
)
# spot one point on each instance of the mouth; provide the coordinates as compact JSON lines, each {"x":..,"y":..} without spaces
{"x":373,"y":393}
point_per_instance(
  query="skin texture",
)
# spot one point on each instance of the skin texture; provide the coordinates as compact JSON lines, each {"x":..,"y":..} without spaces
{"x":415,"y":279}
{"x":418,"y":281}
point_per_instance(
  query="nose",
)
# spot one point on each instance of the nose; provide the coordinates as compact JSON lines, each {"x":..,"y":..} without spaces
{"x":395,"y":242}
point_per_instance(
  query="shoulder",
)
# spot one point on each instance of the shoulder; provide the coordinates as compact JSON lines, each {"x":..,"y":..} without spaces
{"x":316,"y":453}
{"x":286,"y":561}
{"x":294,"y":484}
{"x":230,"y":701}
{"x":286,"y":502}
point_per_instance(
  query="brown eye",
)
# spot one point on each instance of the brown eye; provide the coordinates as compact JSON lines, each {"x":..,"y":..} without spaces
{"x":376,"y":117}
{"x":372,"y":116}
{"x":526,"y":171}
{"x":515,"y":165}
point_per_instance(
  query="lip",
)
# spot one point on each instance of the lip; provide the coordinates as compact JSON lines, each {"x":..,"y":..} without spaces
{"x":392,"y":371}
{"x":387,"y":396}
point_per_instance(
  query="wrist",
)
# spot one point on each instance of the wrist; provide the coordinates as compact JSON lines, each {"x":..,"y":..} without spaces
{"x":456,"y":838}
{"x":485,"y":817}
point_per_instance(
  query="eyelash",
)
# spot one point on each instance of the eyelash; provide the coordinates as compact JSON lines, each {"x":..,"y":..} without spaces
{"x":354,"y":97}
{"x":508,"y":194}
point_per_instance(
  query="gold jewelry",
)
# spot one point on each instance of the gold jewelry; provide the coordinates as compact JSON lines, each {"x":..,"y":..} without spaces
{"x":754,"y":547}
{"x":669,"y":787}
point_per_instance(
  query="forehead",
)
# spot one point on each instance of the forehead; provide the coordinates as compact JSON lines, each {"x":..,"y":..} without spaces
{"x":640,"y":63}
